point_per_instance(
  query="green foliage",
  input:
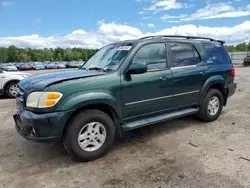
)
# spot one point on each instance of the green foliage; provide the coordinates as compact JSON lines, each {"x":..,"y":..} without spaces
{"x":14,"y":54}
{"x":243,"y":47}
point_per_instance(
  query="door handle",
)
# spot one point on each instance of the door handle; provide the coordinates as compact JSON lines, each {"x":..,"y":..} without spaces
{"x":163,"y":78}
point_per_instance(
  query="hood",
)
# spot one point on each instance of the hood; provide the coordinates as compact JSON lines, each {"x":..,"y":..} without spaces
{"x":39,"y":82}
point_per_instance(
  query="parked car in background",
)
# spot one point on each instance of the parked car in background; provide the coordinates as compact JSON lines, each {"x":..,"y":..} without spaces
{"x":8,"y":67}
{"x":25,"y":66}
{"x":73,"y":64}
{"x":17,"y":64}
{"x":38,"y":66}
{"x":61,"y":65}
{"x":50,"y":65}
{"x":9,"y":80}
{"x":80,"y":63}
{"x":246,"y":61}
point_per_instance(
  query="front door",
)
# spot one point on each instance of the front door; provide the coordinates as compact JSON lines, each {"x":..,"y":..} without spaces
{"x":150,"y":92}
{"x":189,"y":73}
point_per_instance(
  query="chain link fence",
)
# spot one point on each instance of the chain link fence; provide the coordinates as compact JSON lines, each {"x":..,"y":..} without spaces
{"x":238,"y":57}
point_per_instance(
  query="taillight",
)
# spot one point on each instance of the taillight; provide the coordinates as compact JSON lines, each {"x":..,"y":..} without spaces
{"x":233,"y":71}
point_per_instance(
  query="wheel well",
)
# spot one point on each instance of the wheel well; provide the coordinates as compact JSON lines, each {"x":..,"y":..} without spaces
{"x":223,"y":91}
{"x":102,"y":107}
{"x":7,"y":83}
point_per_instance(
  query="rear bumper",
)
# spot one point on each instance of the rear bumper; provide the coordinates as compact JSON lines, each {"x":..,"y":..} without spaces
{"x":231,"y":89}
{"x":41,"y":127}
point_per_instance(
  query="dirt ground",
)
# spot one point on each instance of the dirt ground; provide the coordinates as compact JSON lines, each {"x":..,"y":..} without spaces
{"x":179,"y":153}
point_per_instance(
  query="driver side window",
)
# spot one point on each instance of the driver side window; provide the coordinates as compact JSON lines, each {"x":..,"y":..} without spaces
{"x":154,"y":55}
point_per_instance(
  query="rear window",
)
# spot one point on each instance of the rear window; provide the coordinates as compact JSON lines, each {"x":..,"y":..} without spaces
{"x":184,"y":54}
{"x":217,"y":54}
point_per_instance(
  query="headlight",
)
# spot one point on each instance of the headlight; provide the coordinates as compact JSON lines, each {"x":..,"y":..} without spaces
{"x":43,"y":99}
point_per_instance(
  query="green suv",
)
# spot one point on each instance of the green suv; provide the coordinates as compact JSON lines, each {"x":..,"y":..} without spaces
{"x":124,"y":86}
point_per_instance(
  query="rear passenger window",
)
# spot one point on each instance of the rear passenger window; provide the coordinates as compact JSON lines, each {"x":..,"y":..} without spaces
{"x":184,"y":54}
{"x":154,"y":55}
{"x":217,"y":54}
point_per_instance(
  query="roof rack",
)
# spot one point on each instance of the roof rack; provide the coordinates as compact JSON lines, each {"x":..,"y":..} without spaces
{"x":180,"y":36}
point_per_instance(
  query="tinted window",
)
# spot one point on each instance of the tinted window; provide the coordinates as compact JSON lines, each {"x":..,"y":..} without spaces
{"x":154,"y":55}
{"x":216,"y":53}
{"x":184,"y":54}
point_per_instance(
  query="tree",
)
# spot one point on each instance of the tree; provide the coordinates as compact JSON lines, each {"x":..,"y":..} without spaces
{"x":12,"y":53}
{"x":3,"y":55}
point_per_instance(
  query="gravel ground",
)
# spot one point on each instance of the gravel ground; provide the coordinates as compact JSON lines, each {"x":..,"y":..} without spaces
{"x":179,"y":153}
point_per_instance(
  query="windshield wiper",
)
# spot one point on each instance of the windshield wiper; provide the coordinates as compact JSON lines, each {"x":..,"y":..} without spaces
{"x":97,"y":68}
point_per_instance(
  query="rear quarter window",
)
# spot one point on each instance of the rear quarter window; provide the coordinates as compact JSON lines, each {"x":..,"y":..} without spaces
{"x":217,"y":54}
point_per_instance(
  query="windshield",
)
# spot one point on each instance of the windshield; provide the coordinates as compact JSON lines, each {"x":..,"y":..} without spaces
{"x":108,"y":57}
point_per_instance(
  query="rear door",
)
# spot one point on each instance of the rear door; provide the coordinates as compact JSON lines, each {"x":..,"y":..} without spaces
{"x":189,"y":73}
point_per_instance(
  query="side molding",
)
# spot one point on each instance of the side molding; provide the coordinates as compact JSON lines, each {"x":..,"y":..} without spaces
{"x":85,"y":99}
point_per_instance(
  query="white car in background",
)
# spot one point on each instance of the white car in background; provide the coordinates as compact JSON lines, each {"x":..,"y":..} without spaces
{"x":9,"y":80}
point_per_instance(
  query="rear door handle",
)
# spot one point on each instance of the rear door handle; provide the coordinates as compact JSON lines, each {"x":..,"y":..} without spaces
{"x":163,"y":78}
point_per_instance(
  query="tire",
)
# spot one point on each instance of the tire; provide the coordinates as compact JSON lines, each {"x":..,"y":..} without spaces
{"x":78,"y":124}
{"x":209,"y":115}
{"x":9,"y":89}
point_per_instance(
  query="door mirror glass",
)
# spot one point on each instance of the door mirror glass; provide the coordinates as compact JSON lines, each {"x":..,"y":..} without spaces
{"x":137,"y":68}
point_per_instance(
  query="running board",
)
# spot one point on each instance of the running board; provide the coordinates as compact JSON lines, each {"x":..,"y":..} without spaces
{"x":157,"y":119}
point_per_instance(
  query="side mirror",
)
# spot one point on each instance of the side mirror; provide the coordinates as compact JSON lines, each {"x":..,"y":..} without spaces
{"x":1,"y":71}
{"x":137,"y":68}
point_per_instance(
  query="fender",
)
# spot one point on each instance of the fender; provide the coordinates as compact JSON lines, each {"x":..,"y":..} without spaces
{"x":80,"y":100}
{"x":216,"y":79}
{"x":9,"y":81}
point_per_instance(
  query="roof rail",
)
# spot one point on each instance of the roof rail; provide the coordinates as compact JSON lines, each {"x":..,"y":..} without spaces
{"x":147,"y":37}
{"x":186,"y":37}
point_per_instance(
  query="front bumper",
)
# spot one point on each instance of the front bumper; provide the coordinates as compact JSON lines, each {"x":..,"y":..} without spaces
{"x":231,"y":89}
{"x":46,"y":127}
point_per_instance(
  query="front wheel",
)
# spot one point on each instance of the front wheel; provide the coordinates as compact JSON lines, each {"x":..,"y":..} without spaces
{"x":10,"y":90}
{"x":89,"y":135}
{"x":211,"y":106}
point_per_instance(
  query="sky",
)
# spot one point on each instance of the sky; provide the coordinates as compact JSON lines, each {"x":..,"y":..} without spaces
{"x":95,"y":23}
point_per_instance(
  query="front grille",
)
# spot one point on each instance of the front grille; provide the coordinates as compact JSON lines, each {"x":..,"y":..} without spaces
{"x":19,"y":95}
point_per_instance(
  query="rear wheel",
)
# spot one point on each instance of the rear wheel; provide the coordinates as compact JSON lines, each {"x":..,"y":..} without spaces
{"x":10,"y":90}
{"x":89,"y":135}
{"x":211,"y":106}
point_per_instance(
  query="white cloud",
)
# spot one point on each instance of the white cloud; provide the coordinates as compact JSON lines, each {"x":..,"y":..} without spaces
{"x":235,"y":34}
{"x":5,"y":4}
{"x":141,"y":12}
{"x":167,"y":17}
{"x":112,"y":32}
{"x":151,"y":25}
{"x":146,"y":17}
{"x":213,"y":11}
{"x":158,"y":6}
{"x":173,"y":21}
